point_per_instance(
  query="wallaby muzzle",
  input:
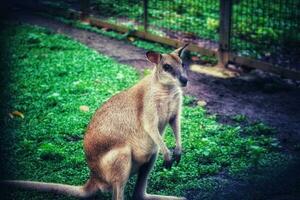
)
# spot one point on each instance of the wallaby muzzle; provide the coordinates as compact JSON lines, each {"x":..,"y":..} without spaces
{"x":183,"y":80}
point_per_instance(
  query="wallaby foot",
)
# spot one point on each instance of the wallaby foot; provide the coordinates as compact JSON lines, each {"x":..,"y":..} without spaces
{"x":141,"y":184}
{"x":160,"y":197}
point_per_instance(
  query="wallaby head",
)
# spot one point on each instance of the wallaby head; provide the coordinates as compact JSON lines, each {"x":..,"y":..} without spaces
{"x":169,"y":68}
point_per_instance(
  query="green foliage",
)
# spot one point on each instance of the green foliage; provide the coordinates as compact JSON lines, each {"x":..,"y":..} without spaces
{"x":212,"y":24}
{"x":51,"y":76}
{"x":189,"y":100}
{"x":239,"y":118}
{"x":259,"y":129}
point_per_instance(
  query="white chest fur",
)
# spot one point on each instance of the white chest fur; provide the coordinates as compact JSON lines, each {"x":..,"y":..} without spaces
{"x":168,"y":103}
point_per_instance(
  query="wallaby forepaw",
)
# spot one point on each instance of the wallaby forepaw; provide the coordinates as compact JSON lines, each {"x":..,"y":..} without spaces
{"x":176,"y":155}
{"x":168,"y":161}
{"x":168,"y":164}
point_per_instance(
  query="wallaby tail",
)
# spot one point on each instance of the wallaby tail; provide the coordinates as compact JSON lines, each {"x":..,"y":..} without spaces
{"x":76,"y":191}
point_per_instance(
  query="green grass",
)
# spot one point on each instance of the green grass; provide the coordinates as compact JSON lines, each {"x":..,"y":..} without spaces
{"x":49,"y":76}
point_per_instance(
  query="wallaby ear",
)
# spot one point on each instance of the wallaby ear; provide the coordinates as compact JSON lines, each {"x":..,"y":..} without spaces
{"x":180,"y":51}
{"x":153,"y":57}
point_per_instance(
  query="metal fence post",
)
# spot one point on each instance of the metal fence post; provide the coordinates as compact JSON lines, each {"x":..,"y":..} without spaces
{"x":84,"y":8}
{"x":225,"y":30}
{"x":145,"y":5}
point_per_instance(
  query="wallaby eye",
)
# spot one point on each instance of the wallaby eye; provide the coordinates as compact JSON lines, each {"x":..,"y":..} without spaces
{"x":168,"y":68}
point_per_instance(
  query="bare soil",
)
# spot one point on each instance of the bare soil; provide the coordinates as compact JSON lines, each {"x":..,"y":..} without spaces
{"x":257,"y":95}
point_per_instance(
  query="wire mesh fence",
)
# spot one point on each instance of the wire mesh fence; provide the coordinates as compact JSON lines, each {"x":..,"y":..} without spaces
{"x":186,"y":20}
{"x":192,"y":18}
{"x":266,"y":30}
{"x":128,"y":13}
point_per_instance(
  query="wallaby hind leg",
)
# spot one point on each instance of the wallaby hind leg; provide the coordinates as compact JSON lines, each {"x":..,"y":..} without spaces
{"x":141,"y":184}
{"x":118,"y":191}
{"x":117,"y":163}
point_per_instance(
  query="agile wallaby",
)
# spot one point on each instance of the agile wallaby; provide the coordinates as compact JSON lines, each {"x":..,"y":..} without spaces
{"x":125,"y":134}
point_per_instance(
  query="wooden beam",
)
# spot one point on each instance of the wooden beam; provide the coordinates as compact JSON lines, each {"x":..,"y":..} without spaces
{"x":225,"y":29}
{"x":151,"y":37}
{"x":103,"y":24}
{"x":145,"y":6}
{"x":84,"y":8}
{"x":250,"y":62}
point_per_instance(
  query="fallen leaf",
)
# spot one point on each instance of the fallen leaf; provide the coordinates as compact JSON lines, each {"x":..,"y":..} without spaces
{"x":268,"y":54}
{"x":98,"y":81}
{"x":18,"y":114}
{"x":120,"y":76}
{"x":11,"y":115}
{"x":195,"y":58}
{"x":131,"y":39}
{"x":201,"y":103}
{"x":84,"y":108}
{"x":202,"y":126}
{"x":85,"y":21}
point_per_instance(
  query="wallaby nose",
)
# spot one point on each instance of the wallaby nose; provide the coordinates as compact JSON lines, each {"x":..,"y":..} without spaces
{"x":183,"y":80}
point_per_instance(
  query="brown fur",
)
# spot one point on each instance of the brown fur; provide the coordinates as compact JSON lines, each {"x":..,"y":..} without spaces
{"x":125,"y":134}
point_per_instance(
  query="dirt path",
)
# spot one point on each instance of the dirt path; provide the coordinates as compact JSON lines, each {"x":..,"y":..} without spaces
{"x":259,"y":97}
